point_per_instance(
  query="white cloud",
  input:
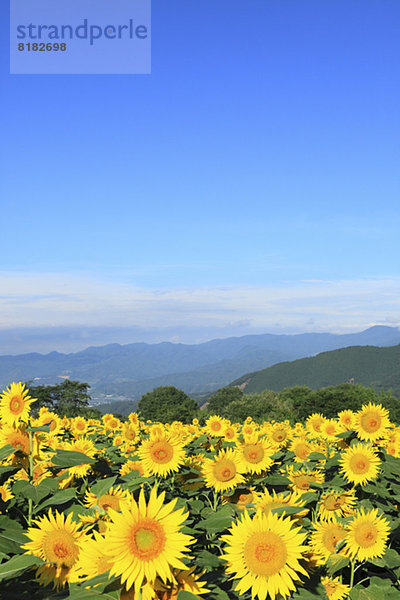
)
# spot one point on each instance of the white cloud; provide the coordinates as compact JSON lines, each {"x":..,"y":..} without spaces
{"x":57,"y":299}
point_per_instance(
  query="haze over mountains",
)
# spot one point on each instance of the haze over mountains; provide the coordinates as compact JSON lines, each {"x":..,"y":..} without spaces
{"x":119,"y":372}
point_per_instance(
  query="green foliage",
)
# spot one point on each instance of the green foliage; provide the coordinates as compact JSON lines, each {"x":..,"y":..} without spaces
{"x":218,"y":401}
{"x":299,"y":402}
{"x":369,"y":366}
{"x":69,"y":399}
{"x":166,"y":404}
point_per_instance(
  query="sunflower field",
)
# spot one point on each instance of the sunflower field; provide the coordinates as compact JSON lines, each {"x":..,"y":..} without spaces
{"x":109,"y":510}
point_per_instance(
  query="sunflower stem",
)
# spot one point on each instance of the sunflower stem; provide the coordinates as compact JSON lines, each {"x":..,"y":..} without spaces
{"x":353,"y":564}
{"x":30,"y":501}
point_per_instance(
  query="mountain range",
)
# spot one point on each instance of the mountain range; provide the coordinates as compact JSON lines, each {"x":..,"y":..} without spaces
{"x":370,"y":366}
{"x":125,"y":372}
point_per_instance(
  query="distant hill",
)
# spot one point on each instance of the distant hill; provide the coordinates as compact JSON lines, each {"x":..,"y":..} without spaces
{"x":126,"y":372}
{"x":365,"y":365}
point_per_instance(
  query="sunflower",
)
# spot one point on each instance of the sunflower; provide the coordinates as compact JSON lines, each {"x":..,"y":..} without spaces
{"x":256,"y":455}
{"x":162,"y":455}
{"x":263,"y":552}
{"x":5,"y":492}
{"x":314,"y":423}
{"x":147,"y":592}
{"x":224,"y":472}
{"x":249,"y":428}
{"x":16,"y":437}
{"x":326,"y":536}
{"x":330,"y":430}
{"x":359,"y":464}
{"x":144,"y":540}
{"x":182,"y":580}
{"x":79,"y":426}
{"x":302,"y":479}
{"x":93,"y":560}
{"x":266,"y":502}
{"x":111,"y":499}
{"x":55,"y":540}
{"x":130,"y":466}
{"x":334,"y":589}
{"x":334,"y":504}
{"x":129,"y":433}
{"x":215,"y":425}
{"x":279,"y":435}
{"x":15,"y":404}
{"x":230,"y":434}
{"x":371,"y":422}
{"x":51,"y":419}
{"x":85,"y":446}
{"x":133,"y":418}
{"x":243,"y":498}
{"x":346,"y":419}
{"x":301,"y":448}
{"x":367,"y":535}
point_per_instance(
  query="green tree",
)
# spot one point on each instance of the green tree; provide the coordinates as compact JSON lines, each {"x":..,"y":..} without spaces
{"x":69,"y":398}
{"x":166,"y":404}
{"x":218,"y":401}
{"x":264,"y":406}
{"x":331,"y":400}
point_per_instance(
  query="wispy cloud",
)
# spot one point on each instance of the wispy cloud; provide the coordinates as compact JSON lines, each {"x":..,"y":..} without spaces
{"x":60,"y":299}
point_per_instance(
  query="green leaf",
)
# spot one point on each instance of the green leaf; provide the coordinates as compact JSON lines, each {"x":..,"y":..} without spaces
{"x":18,"y":564}
{"x":277,"y":480}
{"x":42,"y":428}
{"x":218,"y":593}
{"x":8,"y":469}
{"x":61,"y":497}
{"x":84,"y":594}
{"x":391,"y":558}
{"x":6,"y":450}
{"x":102,"y":486}
{"x":35,"y":492}
{"x":288,"y":510}
{"x":217,"y":522}
{"x":184,"y":595}
{"x":316,"y":456}
{"x":11,"y":541}
{"x":106,"y":589}
{"x":69,"y":458}
{"x":336,"y":562}
{"x":207,"y":559}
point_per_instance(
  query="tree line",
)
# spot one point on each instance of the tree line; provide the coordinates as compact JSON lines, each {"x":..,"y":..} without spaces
{"x":166,"y":404}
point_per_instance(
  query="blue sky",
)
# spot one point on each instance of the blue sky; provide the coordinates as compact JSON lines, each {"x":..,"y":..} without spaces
{"x":255,"y":167}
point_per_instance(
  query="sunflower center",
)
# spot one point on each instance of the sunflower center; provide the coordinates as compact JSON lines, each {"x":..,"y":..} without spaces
{"x":370,"y":423}
{"x":359,"y":463}
{"x":148,"y":539}
{"x":109,"y":501}
{"x":279,"y":436}
{"x":162,"y":452}
{"x":60,"y":548}
{"x":365,"y":535}
{"x":331,"y":537}
{"x":254,"y":453}
{"x":216,"y":426}
{"x":265,"y":553}
{"x":225,"y":470}
{"x":16,"y":405}
{"x":331,"y":503}
{"x":302,"y":482}
{"x":301,"y":451}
